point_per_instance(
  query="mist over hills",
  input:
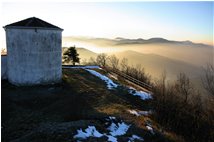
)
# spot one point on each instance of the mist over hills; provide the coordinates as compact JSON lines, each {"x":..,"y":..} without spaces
{"x":156,"y":64}
{"x":155,"y":55}
{"x":197,"y":54}
{"x":85,"y":53}
{"x":153,"y":64}
{"x":155,"y":40}
{"x":120,"y":41}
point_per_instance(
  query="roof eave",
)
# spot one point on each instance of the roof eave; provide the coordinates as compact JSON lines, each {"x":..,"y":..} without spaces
{"x":20,"y":27}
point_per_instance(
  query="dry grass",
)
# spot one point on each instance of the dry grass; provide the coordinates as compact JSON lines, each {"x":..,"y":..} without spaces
{"x":39,"y":113}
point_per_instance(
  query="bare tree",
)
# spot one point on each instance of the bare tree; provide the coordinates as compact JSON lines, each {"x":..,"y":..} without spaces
{"x":160,"y":84}
{"x":102,"y":59}
{"x":139,"y":68}
{"x":113,"y":61}
{"x":124,"y":64}
{"x":208,"y":79}
{"x":163,"y":82}
{"x":92,"y":61}
{"x":84,"y":62}
{"x":183,"y":86}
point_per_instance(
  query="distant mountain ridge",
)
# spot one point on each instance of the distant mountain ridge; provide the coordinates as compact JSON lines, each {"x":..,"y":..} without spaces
{"x":121,"y":41}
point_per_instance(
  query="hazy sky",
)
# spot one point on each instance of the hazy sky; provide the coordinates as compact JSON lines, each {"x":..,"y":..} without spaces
{"x":172,"y":20}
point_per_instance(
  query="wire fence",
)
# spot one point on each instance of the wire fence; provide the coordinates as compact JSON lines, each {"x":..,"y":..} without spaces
{"x":130,"y":78}
{"x":119,"y":73}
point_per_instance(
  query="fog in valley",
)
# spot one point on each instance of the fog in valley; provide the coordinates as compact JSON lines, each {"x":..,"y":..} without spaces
{"x":156,"y":55}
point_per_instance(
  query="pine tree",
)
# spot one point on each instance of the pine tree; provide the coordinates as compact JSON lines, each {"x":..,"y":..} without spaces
{"x":71,"y":55}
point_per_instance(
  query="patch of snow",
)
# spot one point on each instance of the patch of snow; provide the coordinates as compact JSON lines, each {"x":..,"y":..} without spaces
{"x":115,"y":129}
{"x":111,"y":138}
{"x":81,"y":67}
{"x":150,"y":129}
{"x":134,"y":112}
{"x":135,"y":137}
{"x":81,"y":134}
{"x":139,"y":113}
{"x":143,"y":95}
{"x":89,"y":132}
{"x":145,"y":113}
{"x":112,"y":118}
{"x":109,"y":82}
{"x":119,"y":129}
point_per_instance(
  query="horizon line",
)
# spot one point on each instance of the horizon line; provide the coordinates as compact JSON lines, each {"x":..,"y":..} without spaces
{"x":113,"y":38}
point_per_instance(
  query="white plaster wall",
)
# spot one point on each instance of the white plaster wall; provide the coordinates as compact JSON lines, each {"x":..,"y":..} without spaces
{"x":3,"y":67}
{"x":34,"y":56}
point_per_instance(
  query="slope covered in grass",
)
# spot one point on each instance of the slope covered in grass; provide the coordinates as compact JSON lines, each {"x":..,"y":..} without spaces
{"x":57,"y":112}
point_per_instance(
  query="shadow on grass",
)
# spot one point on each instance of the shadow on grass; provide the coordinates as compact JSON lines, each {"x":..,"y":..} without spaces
{"x":28,"y":110}
{"x":55,"y":112}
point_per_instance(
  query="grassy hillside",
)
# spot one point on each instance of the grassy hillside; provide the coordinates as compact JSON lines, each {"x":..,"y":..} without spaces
{"x":56,"y":112}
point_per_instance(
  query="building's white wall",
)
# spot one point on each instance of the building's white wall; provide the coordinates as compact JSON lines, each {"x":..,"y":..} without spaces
{"x":3,"y":67}
{"x":34,"y":56}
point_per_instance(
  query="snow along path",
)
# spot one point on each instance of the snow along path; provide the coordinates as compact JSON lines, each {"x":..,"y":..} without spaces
{"x":109,"y":82}
{"x":143,"y":95}
{"x":81,"y":67}
{"x":111,"y":85}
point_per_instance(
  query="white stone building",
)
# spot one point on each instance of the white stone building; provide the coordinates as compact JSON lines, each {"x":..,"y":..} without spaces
{"x":34,"y":52}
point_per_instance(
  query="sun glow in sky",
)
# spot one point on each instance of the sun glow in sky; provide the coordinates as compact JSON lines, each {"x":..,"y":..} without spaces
{"x":171,"y":20}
